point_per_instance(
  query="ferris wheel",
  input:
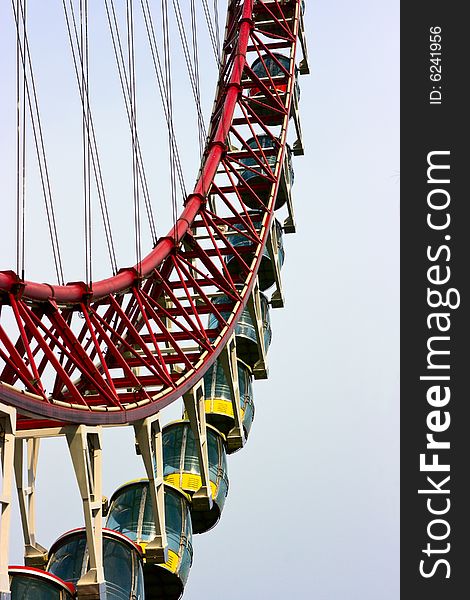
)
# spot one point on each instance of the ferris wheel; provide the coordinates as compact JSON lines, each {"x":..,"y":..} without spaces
{"x":190,"y":318}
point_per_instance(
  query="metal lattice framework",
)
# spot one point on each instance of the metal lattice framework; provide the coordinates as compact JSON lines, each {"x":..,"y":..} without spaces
{"x":135,"y":342}
{"x":78,"y":356}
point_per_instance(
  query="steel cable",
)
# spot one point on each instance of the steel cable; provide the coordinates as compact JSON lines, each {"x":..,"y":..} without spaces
{"x":95,"y":158}
{"x":33,"y":105}
{"x":125,"y":88}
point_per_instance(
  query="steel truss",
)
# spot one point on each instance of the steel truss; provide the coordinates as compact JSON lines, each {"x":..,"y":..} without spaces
{"x":120,"y":351}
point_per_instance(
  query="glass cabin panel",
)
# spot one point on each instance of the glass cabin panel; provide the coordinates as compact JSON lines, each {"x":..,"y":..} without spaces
{"x":70,"y":562}
{"x":271,"y":65}
{"x":118,"y":570}
{"x":191,"y":460}
{"x":172,"y":443}
{"x":266,"y":273}
{"x":213,"y":451}
{"x":124,"y":516}
{"x":266,"y":142}
{"x":32,"y":588}
{"x":174,"y":511}
{"x":67,"y":562}
{"x":247,"y":346}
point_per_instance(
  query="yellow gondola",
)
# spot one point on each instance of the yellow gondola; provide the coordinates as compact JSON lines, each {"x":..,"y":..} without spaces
{"x":181,"y":469}
{"x":218,"y":398}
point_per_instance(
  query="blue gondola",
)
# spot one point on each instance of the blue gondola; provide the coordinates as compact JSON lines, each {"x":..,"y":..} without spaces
{"x":122,"y":562}
{"x":181,"y":469}
{"x":266,"y":276}
{"x":130,"y":512}
{"x":271,"y":70}
{"x":264,"y":18}
{"x":28,"y":583}
{"x":245,"y":332}
{"x":255,"y":176}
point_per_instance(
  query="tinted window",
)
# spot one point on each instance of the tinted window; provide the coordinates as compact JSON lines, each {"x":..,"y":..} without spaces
{"x":124,"y":512}
{"x":117,"y":560}
{"x":173,"y":519}
{"x":67,"y":561}
{"x":172,"y":442}
{"x":30,"y":588}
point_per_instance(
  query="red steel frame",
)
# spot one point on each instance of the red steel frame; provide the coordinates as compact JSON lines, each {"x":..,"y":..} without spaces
{"x":133,"y":343}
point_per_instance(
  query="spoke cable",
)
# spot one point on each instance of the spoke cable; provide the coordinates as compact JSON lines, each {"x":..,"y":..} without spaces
{"x":210,"y":28}
{"x":33,"y":105}
{"x":162,"y":88}
{"x":125,"y":88}
{"x":193,"y":72}
{"x":86,"y":138}
{"x":169,"y":96}
{"x":95,"y":158}
{"x":132,"y":102}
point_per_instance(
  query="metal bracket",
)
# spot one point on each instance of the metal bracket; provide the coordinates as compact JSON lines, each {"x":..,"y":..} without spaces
{"x":7,"y":453}
{"x":228,"y":359}
{"x":260,"y":370}
{"x":272,"y":244}
{"x":194,"y":404}
{"x":148,"y":434}
{"x":35,"y":555}
{"x":85,"y":450}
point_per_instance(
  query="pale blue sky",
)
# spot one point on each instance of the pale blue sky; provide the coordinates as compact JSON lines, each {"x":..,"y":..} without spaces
{"x":312,"y":510}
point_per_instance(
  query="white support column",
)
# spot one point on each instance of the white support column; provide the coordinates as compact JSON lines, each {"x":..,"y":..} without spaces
{"x":289,"y":223}
{"x":298,"y":147}
{"x":194,"y":405}
{"x":272,"y":244}
{"x":260,"y":370}
{"x":85,"y":449}
{"x":7,"y":453}
{"x":34,"y":554}
{"x":228,"y":360}
{"x":148,"y":435}
{"x":303,"y":65}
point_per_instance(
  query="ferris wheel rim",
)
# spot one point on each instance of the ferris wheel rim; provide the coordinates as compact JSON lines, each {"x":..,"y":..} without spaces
{"x":51,"y":412}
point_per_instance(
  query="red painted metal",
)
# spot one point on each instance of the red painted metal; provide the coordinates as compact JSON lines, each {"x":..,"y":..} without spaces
{"x":142,"y":340}
{"x":37,"y":573}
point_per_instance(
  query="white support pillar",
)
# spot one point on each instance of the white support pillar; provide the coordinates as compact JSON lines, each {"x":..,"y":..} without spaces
{"x":260,"y":370}
{"x":85,"y":449}
{"x":7,"y":453}
{"x":289,"y":223}
{"x":303,"y":66}
{"x":148,"y":435}
{"x":298,"y":147}
{"x":35,"y":555}
{"x":194,"y":405}
{"x":272,"y":244}
{"x":228,"y":359}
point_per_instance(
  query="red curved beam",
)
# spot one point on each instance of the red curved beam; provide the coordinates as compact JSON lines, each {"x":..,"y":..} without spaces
{"x":76,"y":295}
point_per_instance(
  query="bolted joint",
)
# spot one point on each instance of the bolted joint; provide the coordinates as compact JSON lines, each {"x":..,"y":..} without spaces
{"x":86,"y":290}
{"x":15,"y":285}
{"x":136,"y":276}
{"x":201,"y":198}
